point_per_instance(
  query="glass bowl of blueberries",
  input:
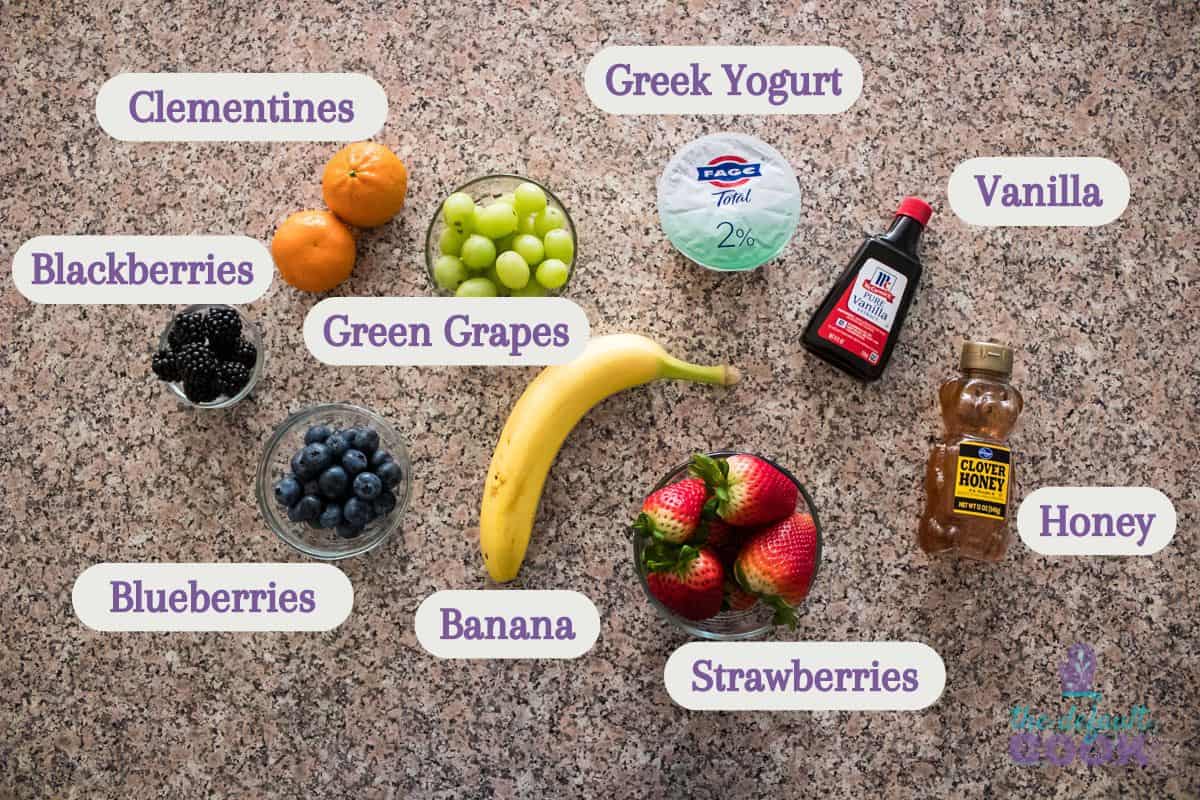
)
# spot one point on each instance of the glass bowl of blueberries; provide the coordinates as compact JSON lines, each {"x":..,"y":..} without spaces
{"x":334,"y":481}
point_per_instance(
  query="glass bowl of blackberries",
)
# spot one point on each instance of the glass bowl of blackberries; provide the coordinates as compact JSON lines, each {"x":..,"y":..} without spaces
{"x":334,"y":481}
{"x":209,"y":356}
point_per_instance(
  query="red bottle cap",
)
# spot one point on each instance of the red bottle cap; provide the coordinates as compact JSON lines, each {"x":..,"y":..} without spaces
{"x":916,"y":208}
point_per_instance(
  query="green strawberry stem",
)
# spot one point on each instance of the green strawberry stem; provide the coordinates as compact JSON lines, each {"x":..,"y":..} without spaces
{"x":645,"y":526}
{"x":715,"y":474}
{"x":784,"y":613}
{"x":664,"y":557}
{"x":680,"y":370}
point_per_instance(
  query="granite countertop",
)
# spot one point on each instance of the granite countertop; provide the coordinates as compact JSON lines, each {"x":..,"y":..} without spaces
{"x":100,"y":464}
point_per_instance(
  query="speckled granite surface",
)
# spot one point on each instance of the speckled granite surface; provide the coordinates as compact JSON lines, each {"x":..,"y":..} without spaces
{"x":99,"y":463}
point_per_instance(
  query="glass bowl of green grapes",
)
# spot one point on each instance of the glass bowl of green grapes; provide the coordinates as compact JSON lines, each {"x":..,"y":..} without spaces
{"x":500,"y":236}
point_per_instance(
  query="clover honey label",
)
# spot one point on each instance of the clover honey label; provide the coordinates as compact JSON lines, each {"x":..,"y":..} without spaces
{"x":981,"y":480}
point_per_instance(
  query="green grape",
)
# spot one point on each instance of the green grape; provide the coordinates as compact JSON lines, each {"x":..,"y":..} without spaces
{"x":558,"y":244}
{"x":476,"y":287}
{"x":505,"y":243}
{"x":547,"y":220}
{"x":530,"y":199}
{"x":494,"y":277}
{"x":508,"y":198}
{"x":496,"y":220}
{"x":530,"y":248}
{"x":512,"y":270}
{"x":527,"y":223}
{"x":552,"y":273}
{"x":449,"y":272}
{"x":451,"y":241}
{"x":478,"y":252}
{"x":531,"y":289}
{"x":459,"y":211}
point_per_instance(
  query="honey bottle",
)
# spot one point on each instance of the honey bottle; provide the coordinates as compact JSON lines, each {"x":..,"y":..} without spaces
{"x":969,"y":477}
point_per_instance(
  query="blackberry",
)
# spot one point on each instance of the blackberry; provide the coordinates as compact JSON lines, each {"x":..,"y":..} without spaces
{"x":224,"y":351}
{"x":244,"y":353}
{"x":165,"y":366}
{"x":187,"y":328}
{"x":201,"y":389}
{"x":233,"y":376}
{"x":194,"y":361}
{"x":222,"y":325}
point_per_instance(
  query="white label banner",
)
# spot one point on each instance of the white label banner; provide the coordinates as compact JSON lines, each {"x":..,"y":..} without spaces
{"x":91,"y":270}
{"x":1038,"y":191}
{"x":1096,"y":521}
{"x":446,"y":331}
{"x":744,"y":79}
{"x":241,"y":107}
{"x":212,"y":597}
{"x":805,"y":676}
{"x":507,"y":623}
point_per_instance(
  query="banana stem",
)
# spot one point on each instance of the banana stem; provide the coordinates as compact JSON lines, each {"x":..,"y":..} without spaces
{"x":677,"y":369}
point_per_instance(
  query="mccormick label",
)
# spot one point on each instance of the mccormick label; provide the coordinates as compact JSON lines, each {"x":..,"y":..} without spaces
{"x":981,"y":480}
{"x":864,"y":315}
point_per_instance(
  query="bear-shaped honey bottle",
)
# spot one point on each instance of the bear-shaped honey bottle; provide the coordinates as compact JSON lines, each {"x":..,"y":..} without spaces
{"x":969,"y":476}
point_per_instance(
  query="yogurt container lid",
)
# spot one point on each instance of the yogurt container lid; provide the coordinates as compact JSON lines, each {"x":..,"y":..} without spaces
{"x":729,"y":201}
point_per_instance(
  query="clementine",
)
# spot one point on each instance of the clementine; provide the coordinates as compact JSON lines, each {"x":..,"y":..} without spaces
{"x":313,"y":250}
{"x":364,"y":183}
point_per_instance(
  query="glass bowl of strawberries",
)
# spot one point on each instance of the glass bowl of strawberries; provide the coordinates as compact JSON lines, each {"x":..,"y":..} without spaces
{"x":727,"y":546}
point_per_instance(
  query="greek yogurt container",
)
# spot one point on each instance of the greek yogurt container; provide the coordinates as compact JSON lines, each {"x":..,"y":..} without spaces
{"x":729,"y":202}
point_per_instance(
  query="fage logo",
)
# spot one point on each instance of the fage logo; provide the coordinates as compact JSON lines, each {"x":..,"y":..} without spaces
{"x":728,"y":171}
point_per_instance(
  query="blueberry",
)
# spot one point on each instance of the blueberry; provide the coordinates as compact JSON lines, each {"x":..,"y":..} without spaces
{"x":287,"y":491}
{"x":366,"y":440}
{"x":357,"y":512}
{"x":349,"y":531}
{"x":334,"y":482}
{"x":301,"y":470}
{"x":307,"y":508}
{"x":367,"y":485}
{"x":390,"y":473}
{"x":379,"y":458}
{"x":331,"y":517}
{"x":313,"y":488}
{"x":317,"y":433}
{"x":383,"y":505}
{"x":315,"y":457}
{"x":354,"y":462}
{"x":338,"y":444}
{"x":349,"y":435}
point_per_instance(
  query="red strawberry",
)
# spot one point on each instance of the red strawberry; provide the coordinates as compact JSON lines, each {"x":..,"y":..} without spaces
{"x":737,"y":598}
{"x":722,"y":538}
{"x":672,"y":514}
{"x":692,"y":588}
{"x":777,"y":564}
{"x":749,"y":491}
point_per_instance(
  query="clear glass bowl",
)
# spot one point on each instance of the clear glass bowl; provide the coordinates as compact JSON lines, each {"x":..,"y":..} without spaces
{"x":752,"y":623}
{"x":249,"y":331}
{"x":276,"y":463}
{"x":482,"y":189}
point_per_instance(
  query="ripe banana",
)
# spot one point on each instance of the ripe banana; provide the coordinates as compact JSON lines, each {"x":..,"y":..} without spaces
{"x":551,"y":406}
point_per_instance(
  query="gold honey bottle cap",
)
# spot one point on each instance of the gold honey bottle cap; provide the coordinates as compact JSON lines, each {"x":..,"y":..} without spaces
{"x":987,"y":355}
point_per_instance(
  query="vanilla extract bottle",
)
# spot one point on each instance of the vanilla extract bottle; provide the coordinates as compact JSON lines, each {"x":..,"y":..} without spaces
{"x":856,"y":326}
